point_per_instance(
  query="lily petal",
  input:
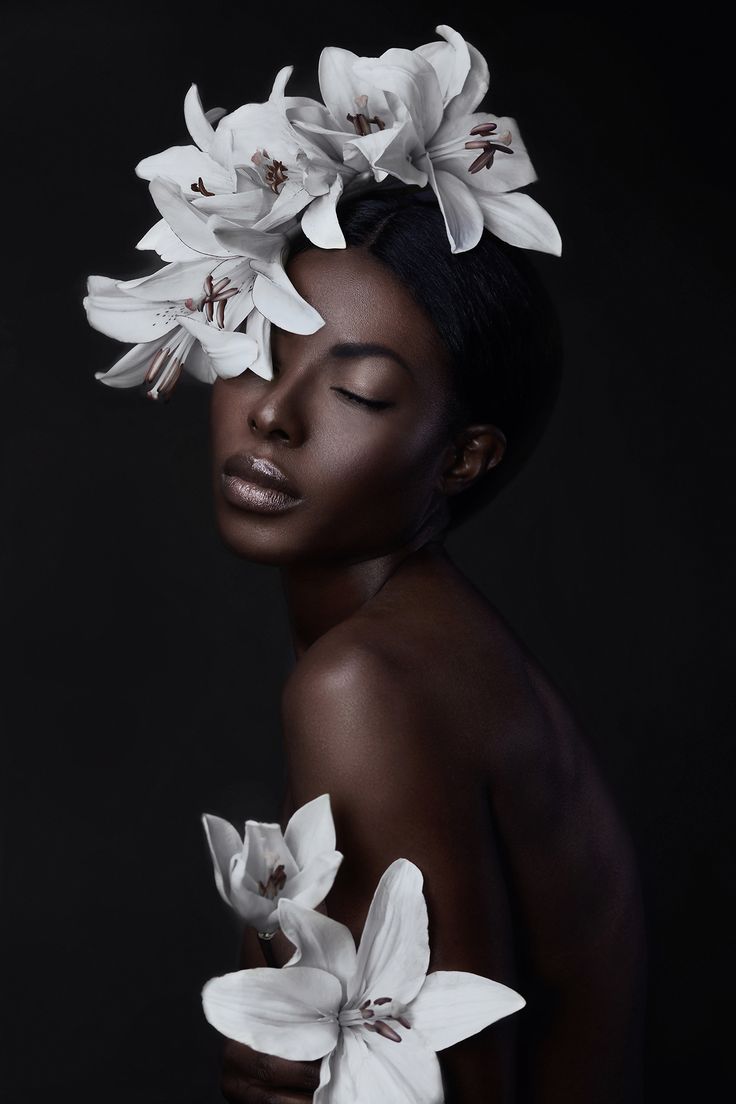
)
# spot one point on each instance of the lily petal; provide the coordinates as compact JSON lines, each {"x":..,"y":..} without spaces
{"x":452,"y":1005}
{"x":323,"y":131}
{"x":174,"y":282}
{"x":325,"y":1076}
{"x":259,"y":328}
{"x":246,"y":205}
{"x":516,"y":218}
{"x":311,"y":885}
{"x":229,"y":352}
{"x":412,"y":79}
{"x":475,"y":87}
{"x":120,"y":315}
{"x":266,"y":848}
{"x":462,"y":214}
{"x":337,"y":1083}
{"x":198,"y":364}
{"x":223,"y":841}
{"x":394,"y":949}
{"x":288,"y":1013}
{"x":185,"y":165}
{"x":280,"y":82}
{"x":477,"y":78}
{"x":320,"y":222}
{"x":408,"y":1071}
{"x":257,"y":911}
{"x":165,"y":242}
{"x":320,"y":941}
{"x":198,"y":125}
{"x":388,"y":151}
{"x":276,"y":297}
{"x":450,"y":61}
{"x":340,"y":84}
{"x":188,"y":223}
{"x":131,"y":369}
{"x":292,"y":199}
{"x":311,"y":830}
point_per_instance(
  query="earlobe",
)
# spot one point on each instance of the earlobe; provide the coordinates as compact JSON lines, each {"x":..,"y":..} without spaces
{"x":479,"y":449}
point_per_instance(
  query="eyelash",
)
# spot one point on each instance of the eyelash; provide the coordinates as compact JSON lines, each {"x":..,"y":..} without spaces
{"x":374,"y":404}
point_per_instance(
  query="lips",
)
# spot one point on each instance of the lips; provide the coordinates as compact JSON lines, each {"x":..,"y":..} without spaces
{"x":255,"y":484}
{"x":258,"y":470}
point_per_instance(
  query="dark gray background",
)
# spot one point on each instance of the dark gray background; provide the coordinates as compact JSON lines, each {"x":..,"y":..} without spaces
{"x":144,"y":661}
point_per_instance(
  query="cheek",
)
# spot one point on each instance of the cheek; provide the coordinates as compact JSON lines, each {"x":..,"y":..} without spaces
{"x":384,"y":475}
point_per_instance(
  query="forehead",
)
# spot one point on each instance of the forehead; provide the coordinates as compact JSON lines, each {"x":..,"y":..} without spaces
{"x":362,"y":300}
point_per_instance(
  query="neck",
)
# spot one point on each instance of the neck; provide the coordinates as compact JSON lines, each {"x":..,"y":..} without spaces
{"x":321,"y":595}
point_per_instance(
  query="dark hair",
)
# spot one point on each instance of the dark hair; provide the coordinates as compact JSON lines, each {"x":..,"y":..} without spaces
{"x":492,"y":312}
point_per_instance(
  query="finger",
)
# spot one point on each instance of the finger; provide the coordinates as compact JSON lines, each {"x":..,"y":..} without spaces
{"x":243,"y":1061}
{"x":239,"y":1090}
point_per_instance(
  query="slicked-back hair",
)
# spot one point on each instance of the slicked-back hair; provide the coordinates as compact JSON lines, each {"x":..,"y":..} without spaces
{"x":492,"y":312}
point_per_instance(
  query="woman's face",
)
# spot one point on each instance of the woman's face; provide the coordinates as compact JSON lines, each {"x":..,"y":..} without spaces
{"x":365,"y":476}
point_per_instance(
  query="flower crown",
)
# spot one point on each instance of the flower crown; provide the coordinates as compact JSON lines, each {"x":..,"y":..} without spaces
{"x":231,"y":203}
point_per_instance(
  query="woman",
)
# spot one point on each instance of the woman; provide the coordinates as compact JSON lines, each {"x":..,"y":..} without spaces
{"x":411,"y":702}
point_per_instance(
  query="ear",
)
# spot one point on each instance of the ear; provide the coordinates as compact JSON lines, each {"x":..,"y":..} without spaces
{"x":474,"y":451}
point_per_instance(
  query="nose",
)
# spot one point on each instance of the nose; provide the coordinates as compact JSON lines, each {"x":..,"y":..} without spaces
{"x":274,"y":410}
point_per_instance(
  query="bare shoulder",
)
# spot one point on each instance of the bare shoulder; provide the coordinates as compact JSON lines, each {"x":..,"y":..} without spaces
{"x":357,"y":726}
{"x":354,"y":704}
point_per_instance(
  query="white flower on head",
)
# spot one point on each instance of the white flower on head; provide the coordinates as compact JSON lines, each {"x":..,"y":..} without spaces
{"x":357,"y":122}
{"x":258,"y":872}
{"x":206,"y":174}
{"x":232,"y":200}
{"x":165,"y":314}
{"x":374,"y":1016}
{"x":187,"y":314}
{"x":472,"y":161}
{"x":300,"y":178}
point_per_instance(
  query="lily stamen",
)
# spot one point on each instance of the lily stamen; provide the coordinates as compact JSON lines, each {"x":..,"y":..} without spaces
{"x":480,"y":141}
{"x":199,"y":187}
{"x":383,"y":1029}
{"x":275,"y":173}
{"x":372,"y":1021}
{"x":166,"y":366}
{"x":485,"y":160}
{"x":361,"y":120}
{"x":216,"y":294}
{"x":275,"y":883}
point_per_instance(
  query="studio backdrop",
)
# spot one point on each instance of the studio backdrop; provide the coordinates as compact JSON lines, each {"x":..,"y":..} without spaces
{"x":143,"y":661}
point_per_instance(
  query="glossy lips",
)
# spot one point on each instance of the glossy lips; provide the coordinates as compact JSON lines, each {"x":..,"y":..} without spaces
{"x":254,"y":483}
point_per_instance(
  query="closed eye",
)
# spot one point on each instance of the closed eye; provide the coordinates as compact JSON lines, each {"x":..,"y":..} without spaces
{"x":375,"y":404}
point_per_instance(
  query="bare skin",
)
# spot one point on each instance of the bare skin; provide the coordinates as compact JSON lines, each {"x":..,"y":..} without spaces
{"x":417,"y":709}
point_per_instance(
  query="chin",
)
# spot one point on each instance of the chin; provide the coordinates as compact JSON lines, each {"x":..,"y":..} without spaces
{"x":258,"y":538}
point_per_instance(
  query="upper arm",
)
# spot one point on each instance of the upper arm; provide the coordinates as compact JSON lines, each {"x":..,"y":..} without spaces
{"x":397,"y":789}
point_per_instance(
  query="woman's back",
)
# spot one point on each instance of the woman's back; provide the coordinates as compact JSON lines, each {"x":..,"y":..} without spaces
{"x":441,"y":740}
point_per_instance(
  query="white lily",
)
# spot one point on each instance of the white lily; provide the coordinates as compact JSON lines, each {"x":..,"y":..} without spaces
{"x":295,"y":172}
{"x":203,"y":301}
{"x":206,"y":174}
{"x":357,"y":122}
{"x":257,"y":873}
{"x":175,"y":317}
{"x":472,"y":161}
{"x":374,"y":1016}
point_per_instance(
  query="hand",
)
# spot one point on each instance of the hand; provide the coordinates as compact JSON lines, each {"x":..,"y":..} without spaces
{"x":250,"y":1077}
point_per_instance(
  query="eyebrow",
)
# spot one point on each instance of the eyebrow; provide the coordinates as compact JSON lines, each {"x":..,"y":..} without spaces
{"x":354,"y":349}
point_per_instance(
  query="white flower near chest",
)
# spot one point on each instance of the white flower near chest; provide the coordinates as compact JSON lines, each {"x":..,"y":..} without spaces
{"x":373,"y":1015}
{"x":266,"y":866}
